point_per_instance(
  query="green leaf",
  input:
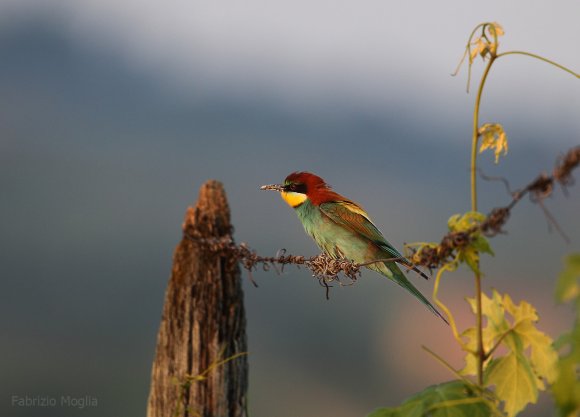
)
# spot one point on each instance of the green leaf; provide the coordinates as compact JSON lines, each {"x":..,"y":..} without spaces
{"x":514,"y":380}
{"x":450,"y":399}
{"x":566,"y":388}
{"x":568,"y":287}
{"x":482,"y":244}
{"x":471,"y":257}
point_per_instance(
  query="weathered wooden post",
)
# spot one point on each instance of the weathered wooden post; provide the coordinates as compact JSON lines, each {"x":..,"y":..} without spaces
{"x":203,"y":323}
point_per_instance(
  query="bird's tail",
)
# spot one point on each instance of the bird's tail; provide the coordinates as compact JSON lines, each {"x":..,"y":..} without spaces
{"x":392,"y":271}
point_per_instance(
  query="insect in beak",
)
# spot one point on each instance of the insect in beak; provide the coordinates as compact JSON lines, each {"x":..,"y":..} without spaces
{"x":273,"y":187}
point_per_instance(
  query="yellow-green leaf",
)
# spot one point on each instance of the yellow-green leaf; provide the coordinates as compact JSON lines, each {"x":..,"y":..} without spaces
{"x":477,"y":243}
{"x":470,"y":367}
{"x":452,"y":222}
{"x":462,"y":223}
{"x":514,"y":380}
{"x":568,"y":287}
{"x":493,"y":137}
{"x":543,"y":356}
{"x":495,"y":27}
{"x":518,"y":333}
{"x":494,"y":310}
{"x":470,"y":334}
{"x":566,"y":389}
{"x":522,"y":312}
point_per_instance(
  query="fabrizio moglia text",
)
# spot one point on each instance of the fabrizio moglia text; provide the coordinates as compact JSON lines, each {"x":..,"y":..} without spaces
{"x":49,"y":401}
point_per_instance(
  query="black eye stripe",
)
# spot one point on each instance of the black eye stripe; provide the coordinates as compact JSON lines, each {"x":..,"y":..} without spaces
{"x":296,"y":188}
{"x":301,"y":188}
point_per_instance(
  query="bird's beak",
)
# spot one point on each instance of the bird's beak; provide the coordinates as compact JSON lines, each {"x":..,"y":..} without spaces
{"x":273,"y":187}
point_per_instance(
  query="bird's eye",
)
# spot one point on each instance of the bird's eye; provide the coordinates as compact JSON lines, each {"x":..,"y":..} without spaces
{"x":296,"y":188}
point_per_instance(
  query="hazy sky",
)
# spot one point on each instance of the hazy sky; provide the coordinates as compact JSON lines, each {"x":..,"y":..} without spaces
{"x":113,"y":113}
{"x":356,"y":55}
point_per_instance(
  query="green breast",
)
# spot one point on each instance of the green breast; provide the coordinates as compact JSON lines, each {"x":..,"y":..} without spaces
{"x":333,"y":239}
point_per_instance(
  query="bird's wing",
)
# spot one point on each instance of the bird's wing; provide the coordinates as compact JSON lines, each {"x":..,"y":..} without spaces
{"x":350,"y":215}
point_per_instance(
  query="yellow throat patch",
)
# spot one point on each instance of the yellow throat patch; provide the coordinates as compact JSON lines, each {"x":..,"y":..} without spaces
{"x":293,"y":199}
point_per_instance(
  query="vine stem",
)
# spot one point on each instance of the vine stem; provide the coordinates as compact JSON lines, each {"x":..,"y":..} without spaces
{"x":475,"y":137}
{"x":448,"y":267}
{"x":480,"y":354}
{"x":541,"y":58}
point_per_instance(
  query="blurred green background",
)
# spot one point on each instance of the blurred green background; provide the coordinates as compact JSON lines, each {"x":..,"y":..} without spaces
{"x":113,"y":113}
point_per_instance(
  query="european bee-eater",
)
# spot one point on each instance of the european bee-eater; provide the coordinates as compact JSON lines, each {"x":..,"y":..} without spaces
{"x":342,"y":229}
